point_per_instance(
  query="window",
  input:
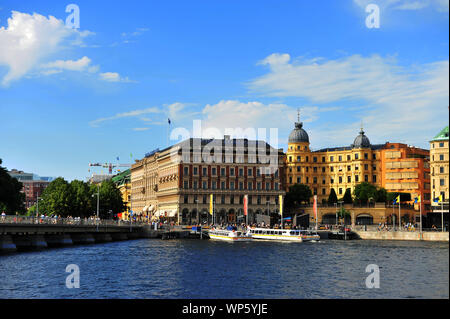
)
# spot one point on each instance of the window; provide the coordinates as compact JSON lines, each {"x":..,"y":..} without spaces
{"x":241,"y":172}
{"x":442,"y":182}
{"x":222,"y":199}
{"x":356,"y":178}
{"x":315,"y":181}
{"x":258,"y":200}
{"x":307,"y":169}
{"x":324,"y":192}
{"x":195,"y":185}
{"x":315,"y":159}
{"x":374,"y":156}
{"x":258,"y":186}
{"x":307,"y":180}
{"x":366,"y":156}
{"x":340,"y":191}
{"x":214,"y":171}
{"x":186,"y":198}
{"x":195,"y":170}
{"x":299,"y":180}
{"x":276,"y":186}
{"x":349,"y":168}
{"x":241,"y":185}
{"x":222,"y":185}
{"x":323,"y":181}
{"x":315,"y":191}
{"x":374,"y":167}
{"x":366,"y":166}
{"x":290,"y":158}
{"x":298,"y":168}
{"x":374,"y":178}
{"x":186,"y":184}
{"x":298,"y":158}
{"x":349,"y":179}
{"x":204,"y":199}
{"x":186,"y":170}
{"x":315,"y":169}
{"x":356,"y":156}
{"x":441,"y":169}
{"x":222,"y":171}
{"x":441,"y":144}
{"x":205,"y":185}
{"x":231,"y":171}
{"x":340,"y":179}
{"x":323,"y":169}
{"x":214,"y":184}
{"x":231,"y":185}
{"x":331,"y":158}
{"x":331,"y":180}
{"x":323,"y":159}
{"x":267,"y":186}
{"x":340,"y":158}
{"x":205,"y":171}
{"x":331,"y":169}
{"x":250,"y":172}
{"x":366,"y":178}
{"x":441,"y":157}
{"x":349,"y":157}
{"x":307,"y":158}
{"x":232,"y":200}
{"x":250,"y":185}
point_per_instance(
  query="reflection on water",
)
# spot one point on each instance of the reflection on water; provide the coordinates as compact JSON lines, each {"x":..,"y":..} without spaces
{"x":152,"y":268}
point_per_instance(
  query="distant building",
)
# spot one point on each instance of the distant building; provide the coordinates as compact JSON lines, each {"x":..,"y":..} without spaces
{"x":98,"y":178}
{"x":33,"y":185}
{"x":440,"y":177}
{"x":123,"y":182}
{"x":176,"y":183}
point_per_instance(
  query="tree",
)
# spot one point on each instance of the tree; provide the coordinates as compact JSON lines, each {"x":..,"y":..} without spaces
{"x":344,"y":214}
{"x":364,"y":191}
{"x":297,"y":194}
{"x":348,"y":196}
{"x":332,"y":198}
{"x":57,"y":199}
{"x":110,"y":199}
{"x":11,"y":198}
{"x":381,"y":195}
{"x":82,"y":198}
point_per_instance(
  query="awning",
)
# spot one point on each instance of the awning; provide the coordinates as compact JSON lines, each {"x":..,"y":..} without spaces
{"x":172,"y":213}
{"x":145,"y":209}
{"x":151,"y":208}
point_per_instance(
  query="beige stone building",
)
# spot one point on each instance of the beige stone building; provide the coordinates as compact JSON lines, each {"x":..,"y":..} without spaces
{"x":439,"y":167}
{"x":176,"y":183}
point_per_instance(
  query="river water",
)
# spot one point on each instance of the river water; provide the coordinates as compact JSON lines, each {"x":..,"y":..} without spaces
{"x":151,"y":268}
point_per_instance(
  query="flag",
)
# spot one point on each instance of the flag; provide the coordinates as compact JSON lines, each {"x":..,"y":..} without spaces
{"x":440,"y":199}
{"x":131,"y":155}
{"x":397,"y":200}
{"x":280,"y":199}
{"x":211,"y":204}
{"x":117,"y":158}
{"x":417,"y":200}
{"x":315,"y":206}
{"x":168,"y":121}
{"x":245,"y":204}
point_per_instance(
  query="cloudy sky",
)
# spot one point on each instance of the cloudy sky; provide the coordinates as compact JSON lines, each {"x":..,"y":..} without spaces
{"x":104,"y":90}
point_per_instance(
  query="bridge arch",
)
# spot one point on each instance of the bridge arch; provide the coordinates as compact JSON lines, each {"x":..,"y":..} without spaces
{"x":364,"y":219}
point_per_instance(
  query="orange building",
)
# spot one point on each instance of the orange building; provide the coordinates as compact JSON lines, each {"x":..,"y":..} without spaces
{"x":406,"y":169}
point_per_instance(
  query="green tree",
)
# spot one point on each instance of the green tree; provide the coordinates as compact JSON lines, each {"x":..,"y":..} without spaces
{"x":364,"y":191}
{"x":344,"y":215}
{"x":110,"y":200}
{"x":297,"y":194}
{"x":332,"y":198}
{"x":82,"y":198}
{"x":57,"y":199}
{"x":11,"y":198}
{"x":381,"y":195}
{"x":348,"y":196}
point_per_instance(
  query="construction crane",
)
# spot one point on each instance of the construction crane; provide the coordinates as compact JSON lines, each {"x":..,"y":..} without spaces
{"x":109,"y":166}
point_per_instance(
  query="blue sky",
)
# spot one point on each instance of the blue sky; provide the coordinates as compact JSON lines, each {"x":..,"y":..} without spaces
{"x":70,"y":97}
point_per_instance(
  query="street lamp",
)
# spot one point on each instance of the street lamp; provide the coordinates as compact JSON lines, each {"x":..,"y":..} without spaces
{"x":98,"y":203}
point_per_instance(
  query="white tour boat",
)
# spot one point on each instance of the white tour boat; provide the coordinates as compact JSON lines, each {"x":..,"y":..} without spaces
{"x":276,"y":234}
{"x":229,"y":235}
{"x":309,"y":235}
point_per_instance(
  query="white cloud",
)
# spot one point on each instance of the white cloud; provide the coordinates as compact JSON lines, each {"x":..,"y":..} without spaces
{"x":139,"y":129}
{"x":406,"y":103}
{"x":438,"y":5}
{"x":134,"y":113}
{"x":83,"y":64}
{"x":30,"y":39}
{"x":114,"y":77}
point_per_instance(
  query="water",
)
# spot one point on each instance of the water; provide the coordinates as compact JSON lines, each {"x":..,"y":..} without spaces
{"x":150,"y":268}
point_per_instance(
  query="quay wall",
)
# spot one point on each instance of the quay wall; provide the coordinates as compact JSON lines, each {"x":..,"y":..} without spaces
{"x":403,"y":235}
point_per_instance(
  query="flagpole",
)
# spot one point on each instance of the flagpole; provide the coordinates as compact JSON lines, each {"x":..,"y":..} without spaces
{"x":399,"y":218}
{"x":442,"y":214}
{"x":420,"y":203}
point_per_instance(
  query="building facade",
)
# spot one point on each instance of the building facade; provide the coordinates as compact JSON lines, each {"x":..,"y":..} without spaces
{"x":439,"y":167}
{"x":123,"y":183}
{"x":338,"y":168}
{"x":33,"y":185}
{"x":176,"y":183}
{"x":394,"y":166}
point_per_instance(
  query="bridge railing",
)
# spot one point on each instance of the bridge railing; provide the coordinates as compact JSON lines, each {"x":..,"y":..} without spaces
{"x":64,"y":221}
